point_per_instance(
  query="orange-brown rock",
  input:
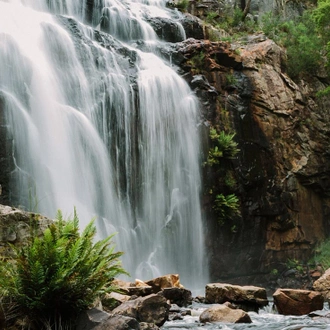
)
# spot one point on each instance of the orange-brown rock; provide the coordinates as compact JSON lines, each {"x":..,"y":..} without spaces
{"x":151,"y":309}
{"x":282,"y":174}
{"x":223,"y":313}
{"x":222,"y":292}
{"x":166,"y":281}
{"x":322,"y":285}
{"x":297,"y":302}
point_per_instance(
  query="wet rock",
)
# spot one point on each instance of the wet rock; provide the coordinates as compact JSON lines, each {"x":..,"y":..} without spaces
{"x":166,"y":29}
{"x":223,"y":313}
{"x":119,"y":322}
{"x":244,"y":296}
{"x":137,"y":288}
{"x":151,"y":309}
{"x":91,"y":318}
{"x":322,"y":285}
{"x":166,"y":281}
{"x":193,"y":27}
{"x":297,"y":302}
{"x":180,"y":296}
{"x":113,"y":300}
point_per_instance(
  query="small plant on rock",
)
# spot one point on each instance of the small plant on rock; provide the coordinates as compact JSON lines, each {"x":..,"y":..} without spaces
{"x":57,"y":275}
{"x":224,"y":146}
{"x":226,"y":206}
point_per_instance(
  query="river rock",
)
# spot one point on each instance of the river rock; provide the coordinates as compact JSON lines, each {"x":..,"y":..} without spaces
{"x":180,"y":296}
{"x":297,"y":302}
{"x":322,"y":285}
{"x":138,"y":288}
{"x":150,"y":309}
{"x":223,"y":313}
{"x":91,"y":318}
{"x":242,"y":295}
{"x":113,"y":300}
{"x":119,"y":322}
{"x":166,"y":281}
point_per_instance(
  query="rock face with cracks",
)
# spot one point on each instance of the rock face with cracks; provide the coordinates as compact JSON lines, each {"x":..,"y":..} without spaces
{"x":282,"y":172}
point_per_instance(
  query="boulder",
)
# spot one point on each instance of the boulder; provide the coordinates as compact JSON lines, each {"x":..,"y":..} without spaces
{"x":140,"y":291}
{"x":150,"y":309}
{"x":193,"y":27}
{"x":166,"y":281}
{"x":218,"y":293}
{"x":91,"y":318}
{"x":119,"y":322}
{"x":180,"y":296}
{"x":166,"y":29}
{"x":16,"y":227}
{"x":297,"y":302}
{"x":223,"y":313}
{"x":138,"y":288}
{"x":113,"y":300}
{"x":322,"y":285}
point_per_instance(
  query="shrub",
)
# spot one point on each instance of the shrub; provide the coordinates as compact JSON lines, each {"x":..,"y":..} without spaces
{"x":300,"y":38}
{"x":57,"y":275}
{"x":322,"y":254}
{"x":224,"y":146}
{"x":197,"y":62}
{"x":182,"y":5}
{"x":226,"y":206}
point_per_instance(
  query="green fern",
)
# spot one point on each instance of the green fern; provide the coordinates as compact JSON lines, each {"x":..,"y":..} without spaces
{"x":226,"y":206}
{"x":58,"y":275}
{"x":224,"y":146}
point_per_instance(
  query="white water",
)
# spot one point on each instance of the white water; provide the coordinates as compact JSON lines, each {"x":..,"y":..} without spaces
{"x":113,"y":134}
{"x":265,"y":319}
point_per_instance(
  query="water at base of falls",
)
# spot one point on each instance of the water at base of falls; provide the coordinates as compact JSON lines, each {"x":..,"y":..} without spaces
{"x":265,"y":319}
{"x":99,"y":125}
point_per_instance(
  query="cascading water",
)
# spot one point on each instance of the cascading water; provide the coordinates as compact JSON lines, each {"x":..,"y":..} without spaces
{"x":100,"y":125}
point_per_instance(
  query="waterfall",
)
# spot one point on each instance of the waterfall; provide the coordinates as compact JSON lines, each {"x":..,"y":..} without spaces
{"x":100,"y":125}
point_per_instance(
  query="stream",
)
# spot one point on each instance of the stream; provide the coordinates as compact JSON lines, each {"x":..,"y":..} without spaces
{"x":266,"y":319}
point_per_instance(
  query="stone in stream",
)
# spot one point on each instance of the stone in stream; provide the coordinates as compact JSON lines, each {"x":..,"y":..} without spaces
{"x":224,"y":313}
{"x":297,"y":302}
{"x":247,"y":297}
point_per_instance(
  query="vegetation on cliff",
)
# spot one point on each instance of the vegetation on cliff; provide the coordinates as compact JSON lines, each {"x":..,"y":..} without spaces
{"x":55,"y":276}
{"x":223,"y":147}
{"x":306,"y":38}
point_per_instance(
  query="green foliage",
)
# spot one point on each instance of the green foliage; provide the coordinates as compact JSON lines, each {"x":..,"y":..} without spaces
{"x":231,"y":80}
{"x":197,"y":62}
{"x":270,"y":25}
{"x":322,"y":254}
{"x":274,"y":272}
{"x":224,"y":146}
{"x":296,"y":265}
{"x":226,"y":206}
{"x":182,"y":5}
{"x":321,"y":16}
{"x":57,"y":275}
{"x":230,"y":180}
{"x":303,"y":46}
{"x":224,"y":202}
{"x":211,"y":17}
{"x":324,"y":92}
{"x":301,"y":39}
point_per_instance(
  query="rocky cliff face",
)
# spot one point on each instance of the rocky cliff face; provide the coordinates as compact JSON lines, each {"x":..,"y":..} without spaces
{"x":283,"y":169}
